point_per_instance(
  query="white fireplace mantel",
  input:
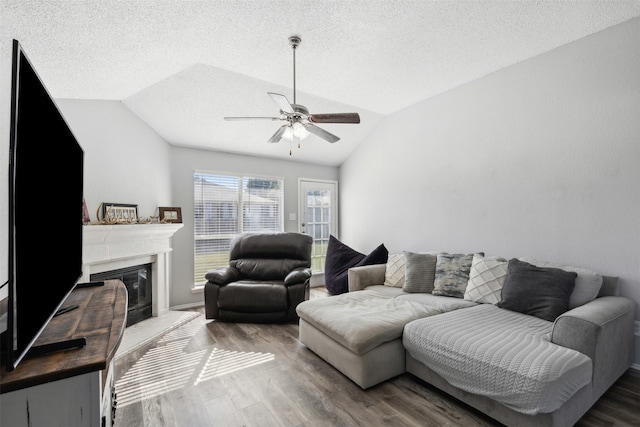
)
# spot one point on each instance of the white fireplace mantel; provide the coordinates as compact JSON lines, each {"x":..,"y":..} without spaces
{"x":112,"y":247}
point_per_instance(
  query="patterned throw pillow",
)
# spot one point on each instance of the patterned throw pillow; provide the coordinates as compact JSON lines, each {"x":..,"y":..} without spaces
{"x":394,"y":274}
{"x":452,"y":274}
{"x":419,"y":272}
{"x":486,"y":278}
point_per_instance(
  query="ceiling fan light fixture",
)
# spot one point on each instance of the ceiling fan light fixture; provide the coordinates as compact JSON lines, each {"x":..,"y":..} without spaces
{"x":296,"y":131}
{"x":299,"y":131}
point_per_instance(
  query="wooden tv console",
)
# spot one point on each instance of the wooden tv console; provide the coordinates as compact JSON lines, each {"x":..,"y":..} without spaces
{"x":73,"y":387}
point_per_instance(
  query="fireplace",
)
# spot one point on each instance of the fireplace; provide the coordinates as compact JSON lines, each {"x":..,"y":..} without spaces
{"x":108,"y":248}
{"x":137,"y":279}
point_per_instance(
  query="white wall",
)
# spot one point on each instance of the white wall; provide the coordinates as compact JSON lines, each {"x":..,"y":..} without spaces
{"x":125,"y":161}
{"x":184,"y":162}
{"x":539,"y":159}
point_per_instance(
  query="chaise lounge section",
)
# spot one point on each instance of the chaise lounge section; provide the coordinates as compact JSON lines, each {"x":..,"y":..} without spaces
{"x":518,"y":368}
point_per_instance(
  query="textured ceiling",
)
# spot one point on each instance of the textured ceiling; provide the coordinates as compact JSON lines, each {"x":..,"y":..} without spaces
{"x":183,"y":65}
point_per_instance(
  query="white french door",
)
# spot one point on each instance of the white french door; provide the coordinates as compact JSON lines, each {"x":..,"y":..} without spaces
{"x":318,"y":216}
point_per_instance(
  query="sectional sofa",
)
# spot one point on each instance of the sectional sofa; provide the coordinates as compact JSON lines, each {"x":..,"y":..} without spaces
{"x":527,"y":342}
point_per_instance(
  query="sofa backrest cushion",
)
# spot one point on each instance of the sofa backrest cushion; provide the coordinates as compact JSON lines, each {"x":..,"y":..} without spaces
{"x":543,"y":292}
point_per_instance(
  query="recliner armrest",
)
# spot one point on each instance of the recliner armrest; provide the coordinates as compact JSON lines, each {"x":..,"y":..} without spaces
{"x":223,"y":276}
{"x":297,"y":275}
{"x":603,"y":330}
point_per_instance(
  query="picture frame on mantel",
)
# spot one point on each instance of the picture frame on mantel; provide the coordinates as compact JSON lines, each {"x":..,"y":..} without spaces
{"x":119,"y":213}
{"x":172,"y":215}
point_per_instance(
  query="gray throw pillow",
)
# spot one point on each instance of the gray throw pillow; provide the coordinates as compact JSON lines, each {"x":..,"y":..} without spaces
{"x":537,"y":291}
{"x":588,"y":283}
{"x":452,"y":274}
{"x":419,"y":272}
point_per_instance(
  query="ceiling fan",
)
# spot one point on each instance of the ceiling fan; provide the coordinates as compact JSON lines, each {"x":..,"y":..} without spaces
{"x":299,"y":122}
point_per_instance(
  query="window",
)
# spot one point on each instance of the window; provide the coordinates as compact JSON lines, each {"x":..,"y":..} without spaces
{"x":228,"y":205}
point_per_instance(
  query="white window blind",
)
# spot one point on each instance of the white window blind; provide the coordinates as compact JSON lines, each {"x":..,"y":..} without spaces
{"x":228,"y":205}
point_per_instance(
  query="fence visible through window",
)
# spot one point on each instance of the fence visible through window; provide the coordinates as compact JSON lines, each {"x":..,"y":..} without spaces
{"x":228,"y":205}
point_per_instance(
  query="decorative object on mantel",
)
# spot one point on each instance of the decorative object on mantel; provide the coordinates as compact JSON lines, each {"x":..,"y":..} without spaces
{"x":170,"y":215}
{"x":122,"y":213}
{"x":118,"y":213}
{"x":85,"y":213}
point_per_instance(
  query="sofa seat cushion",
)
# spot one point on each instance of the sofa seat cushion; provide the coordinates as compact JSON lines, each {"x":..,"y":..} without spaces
{"x":440,"y":303}
{"x":389,"y":291}
{"x":362,"y":320}
{"x":254,"y":296}
{"x":500,"y":354}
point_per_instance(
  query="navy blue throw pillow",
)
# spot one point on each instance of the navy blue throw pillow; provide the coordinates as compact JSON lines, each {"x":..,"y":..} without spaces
{"x":340,"y":258}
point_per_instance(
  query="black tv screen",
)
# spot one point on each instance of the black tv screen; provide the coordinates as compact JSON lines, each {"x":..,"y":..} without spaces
{"x":45,"y":209}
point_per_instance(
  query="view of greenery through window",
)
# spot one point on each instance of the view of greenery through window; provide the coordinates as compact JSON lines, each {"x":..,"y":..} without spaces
{"x":227,"y":205}
{"x":317,"y":220}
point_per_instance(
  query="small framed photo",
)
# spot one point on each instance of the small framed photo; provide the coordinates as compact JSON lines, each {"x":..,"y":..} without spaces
{"x":169,"y":214}
{"x":119,"y":213}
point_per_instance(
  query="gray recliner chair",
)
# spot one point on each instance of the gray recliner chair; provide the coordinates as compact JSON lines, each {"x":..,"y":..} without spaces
{"x":267,"y":277}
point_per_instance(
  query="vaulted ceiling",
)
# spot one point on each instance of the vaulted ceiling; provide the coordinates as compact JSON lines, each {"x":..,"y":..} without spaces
{"x":181,"y":66}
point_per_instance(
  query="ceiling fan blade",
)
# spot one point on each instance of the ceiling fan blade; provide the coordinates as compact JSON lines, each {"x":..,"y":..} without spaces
{"x":278,"y":135}
{"x":282,"y":102}
{"x":321,"y":133}
{"x":335,"y":118}
{"x":253,"y":118}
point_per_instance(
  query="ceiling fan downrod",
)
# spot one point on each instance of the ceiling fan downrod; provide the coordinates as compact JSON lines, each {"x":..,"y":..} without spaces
{"x":294,"y":41}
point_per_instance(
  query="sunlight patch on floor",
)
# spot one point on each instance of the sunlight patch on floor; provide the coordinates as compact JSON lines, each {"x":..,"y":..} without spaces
{"x":222,"y":362}
{"x":160,"y":370}
{"x":169,"y":366}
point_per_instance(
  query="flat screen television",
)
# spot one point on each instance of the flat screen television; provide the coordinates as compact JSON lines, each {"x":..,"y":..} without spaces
{"x":46,"y":165}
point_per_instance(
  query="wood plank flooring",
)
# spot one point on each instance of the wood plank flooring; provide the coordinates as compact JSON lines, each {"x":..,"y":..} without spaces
{"x":209,"y":373}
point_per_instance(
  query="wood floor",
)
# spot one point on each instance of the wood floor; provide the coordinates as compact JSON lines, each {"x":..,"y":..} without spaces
{"x":209,"y":373}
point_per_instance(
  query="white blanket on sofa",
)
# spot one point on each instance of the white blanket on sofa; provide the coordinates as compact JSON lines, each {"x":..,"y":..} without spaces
{"x":362,"y":320}
{"x":500,"y":354}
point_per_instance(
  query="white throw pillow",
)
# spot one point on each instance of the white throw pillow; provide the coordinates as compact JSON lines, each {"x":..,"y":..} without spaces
{"x":486,"y":278}
{"x":394,"y":274}
{"x":588,"y":283}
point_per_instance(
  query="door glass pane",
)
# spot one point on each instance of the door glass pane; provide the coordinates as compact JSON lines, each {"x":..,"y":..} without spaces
{"x":318,"y":202}
{"x":318,"y":217}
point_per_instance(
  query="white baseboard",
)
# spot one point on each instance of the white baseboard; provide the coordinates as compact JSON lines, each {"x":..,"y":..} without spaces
{"x":636,"y":367}
{"x":187,"y":306}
